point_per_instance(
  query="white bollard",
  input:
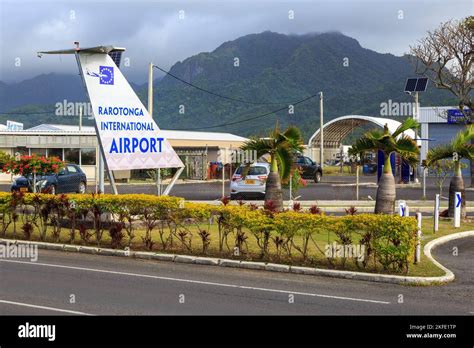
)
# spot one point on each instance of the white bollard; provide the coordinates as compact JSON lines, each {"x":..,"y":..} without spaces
{"x":436,"y":214}
{"x":407,"y":211}
{"x":402,"y":208}
{"x":418,"y":239}
{"x":457,"y":209}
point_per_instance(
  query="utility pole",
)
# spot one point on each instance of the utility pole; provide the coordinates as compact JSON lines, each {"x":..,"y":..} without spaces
{"x":101,"y":171}
{"x":150,"y":111}
{"x":321,"y":135}
{"x":80,"y":119}
{"x":418,"y":167}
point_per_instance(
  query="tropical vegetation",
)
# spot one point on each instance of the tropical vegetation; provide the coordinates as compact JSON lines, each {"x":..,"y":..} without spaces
{"x":144,"y":222}
{"x":461,"y":147}
{"x":388,"y":143}
{"x":281,"y":147}
{"x":32,"y":166}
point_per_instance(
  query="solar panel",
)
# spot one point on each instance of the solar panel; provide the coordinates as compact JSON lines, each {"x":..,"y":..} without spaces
{"x":421,"y":84}
{"x":116,"y":57}
{"x":411,"y":85}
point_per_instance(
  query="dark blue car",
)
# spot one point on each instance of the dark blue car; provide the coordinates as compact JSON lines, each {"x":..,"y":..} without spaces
{"x":70,"y":179}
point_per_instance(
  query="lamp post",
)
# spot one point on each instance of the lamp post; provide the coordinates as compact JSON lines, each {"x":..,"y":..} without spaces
{"x":321,"y":135}
{"x":150,"y":111}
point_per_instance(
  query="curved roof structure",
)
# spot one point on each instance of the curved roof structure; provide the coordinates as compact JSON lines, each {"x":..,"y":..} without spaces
{"x":337,"y":129}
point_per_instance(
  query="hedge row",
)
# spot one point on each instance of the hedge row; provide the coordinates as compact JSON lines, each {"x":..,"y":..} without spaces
{"x":169,"y":223}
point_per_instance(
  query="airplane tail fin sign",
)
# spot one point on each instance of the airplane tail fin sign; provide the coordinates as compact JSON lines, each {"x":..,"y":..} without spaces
{"x":129,"y":136}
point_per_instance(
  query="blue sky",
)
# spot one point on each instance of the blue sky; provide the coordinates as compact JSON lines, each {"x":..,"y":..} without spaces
{"x":152,"y":30}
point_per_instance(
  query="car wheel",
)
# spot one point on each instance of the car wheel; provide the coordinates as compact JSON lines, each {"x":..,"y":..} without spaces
{"x":82,"y":187}
{"x":52,"y":189}
{"x":317,"y":177}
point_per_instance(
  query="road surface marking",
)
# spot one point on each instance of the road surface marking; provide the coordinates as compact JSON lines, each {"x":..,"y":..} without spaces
{"x":197,"y":282}
{"x":43,"y":307}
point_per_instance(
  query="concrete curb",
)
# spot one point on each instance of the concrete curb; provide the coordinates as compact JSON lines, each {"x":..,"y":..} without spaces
{"x":448,"y":276}
{"x":272,"y":267}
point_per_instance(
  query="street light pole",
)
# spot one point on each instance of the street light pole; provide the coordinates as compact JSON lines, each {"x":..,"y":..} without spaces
{"x":150,"y":111}
{"x":321,"y":135}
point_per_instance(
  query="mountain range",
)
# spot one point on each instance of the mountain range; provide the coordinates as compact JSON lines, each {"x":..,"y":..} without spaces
{"x":260,"y":73}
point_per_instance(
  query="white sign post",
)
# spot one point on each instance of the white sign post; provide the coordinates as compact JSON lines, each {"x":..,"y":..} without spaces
{"x":457,"y":209}
{"x":418,"y":239}
{"x":436,"y":214}
{"x":402,"y":205}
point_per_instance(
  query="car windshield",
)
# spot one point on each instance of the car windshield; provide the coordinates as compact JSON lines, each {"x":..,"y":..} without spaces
{"x":257,"y":170}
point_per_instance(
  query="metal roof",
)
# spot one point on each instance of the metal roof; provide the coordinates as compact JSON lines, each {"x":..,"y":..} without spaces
{"x":60,"y":127}
{"x":338,"y":128}
{"x":47,"y":129}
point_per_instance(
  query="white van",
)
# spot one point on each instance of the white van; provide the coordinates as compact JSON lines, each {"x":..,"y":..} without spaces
{"x":253,"y":184}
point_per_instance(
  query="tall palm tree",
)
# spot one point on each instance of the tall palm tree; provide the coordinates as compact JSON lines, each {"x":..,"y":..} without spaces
{"x":281,"y":147}
{"x":460,"y":147}
{"x":388,"y":143}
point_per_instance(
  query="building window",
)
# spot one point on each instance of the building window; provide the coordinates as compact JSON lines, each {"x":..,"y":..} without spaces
{"x":71,"y":156}
{"x":38,"y":152}
{"x":88,"y":157}
{"x":56,"y":153}
{"x":23,"y":151}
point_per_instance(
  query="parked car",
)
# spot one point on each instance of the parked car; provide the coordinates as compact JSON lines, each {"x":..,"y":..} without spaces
{"x":69,"y":179}
{"x":252,"y":184}
{"x":309,"y":168}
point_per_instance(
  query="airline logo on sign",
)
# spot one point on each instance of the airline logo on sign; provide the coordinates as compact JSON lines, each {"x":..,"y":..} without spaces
{"x":105,"y":75}
{"x":129,"y":136}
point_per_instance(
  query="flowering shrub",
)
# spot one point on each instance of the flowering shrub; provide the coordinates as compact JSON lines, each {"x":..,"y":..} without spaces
{"x":297,"y":180}
{"x":167,"y":223}
{"x":34,"y":164}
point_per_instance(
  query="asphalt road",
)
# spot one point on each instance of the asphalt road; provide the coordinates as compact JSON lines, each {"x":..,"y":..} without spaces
{"x":331,"y":188}
{"x":113,"y":285}
{"x":322,"y":191}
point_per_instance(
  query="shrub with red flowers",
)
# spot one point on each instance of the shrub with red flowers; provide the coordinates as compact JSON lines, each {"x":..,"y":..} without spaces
{"x":33,"y":166}
{"x":297,"y":180}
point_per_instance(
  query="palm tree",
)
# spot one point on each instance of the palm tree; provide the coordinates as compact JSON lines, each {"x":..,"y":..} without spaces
{"x":388,"y":143}
{"x":281,"y":147}
{"x":460,"y":147}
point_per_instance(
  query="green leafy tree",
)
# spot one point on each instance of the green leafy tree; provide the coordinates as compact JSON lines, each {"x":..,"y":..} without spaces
{"x":280,"y":146}
{"x":460,"y":148}
{"x":398,"y":142}
{"x":446,"y":57}
{"x":442,"y":169}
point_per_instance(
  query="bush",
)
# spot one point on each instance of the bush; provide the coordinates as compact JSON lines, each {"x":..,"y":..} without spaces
{"x":166,"y":223}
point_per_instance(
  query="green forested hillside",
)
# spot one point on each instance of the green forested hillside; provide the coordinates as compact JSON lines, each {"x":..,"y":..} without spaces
{"x":281,"y":68}
{"x":272,"y":68}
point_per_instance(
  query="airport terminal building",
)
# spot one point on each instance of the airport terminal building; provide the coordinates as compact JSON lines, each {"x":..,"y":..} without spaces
{"x":439,"y":127}
{"x":79,"y":145}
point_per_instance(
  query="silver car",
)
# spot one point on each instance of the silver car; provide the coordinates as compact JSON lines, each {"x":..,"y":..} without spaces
{"x":253,"y":184}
